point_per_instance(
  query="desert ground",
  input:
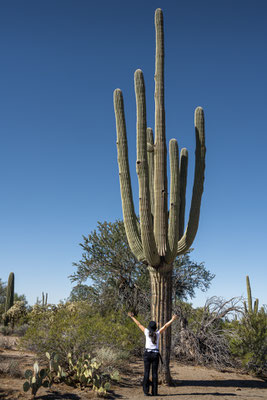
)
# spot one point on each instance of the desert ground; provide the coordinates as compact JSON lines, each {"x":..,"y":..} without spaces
{"x":190,"y":382}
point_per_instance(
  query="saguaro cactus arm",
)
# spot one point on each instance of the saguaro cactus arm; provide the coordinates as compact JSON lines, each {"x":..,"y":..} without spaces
{"x":129,"y":216}
{"x":147,"y":235}
{"x":256,"y":306}
{"x":160,"y":157}
{"x":187,"y":239}
{"x":173,"y":230}
{"x":183,"y":180}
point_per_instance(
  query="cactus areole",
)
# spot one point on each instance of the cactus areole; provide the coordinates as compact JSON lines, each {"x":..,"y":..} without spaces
{"x":160,"y":235}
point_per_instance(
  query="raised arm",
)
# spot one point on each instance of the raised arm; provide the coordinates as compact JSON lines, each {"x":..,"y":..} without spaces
{"x":168,"y":324}
{"x":136,"y":322}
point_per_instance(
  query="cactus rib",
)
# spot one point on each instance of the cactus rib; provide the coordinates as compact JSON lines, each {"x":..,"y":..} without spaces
{"x":173,"y":230}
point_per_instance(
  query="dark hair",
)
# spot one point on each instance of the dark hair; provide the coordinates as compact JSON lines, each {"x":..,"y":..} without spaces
{"x":152,"y":327}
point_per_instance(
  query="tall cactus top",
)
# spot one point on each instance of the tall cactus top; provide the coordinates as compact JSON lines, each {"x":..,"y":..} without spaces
{"x":160,"y":235}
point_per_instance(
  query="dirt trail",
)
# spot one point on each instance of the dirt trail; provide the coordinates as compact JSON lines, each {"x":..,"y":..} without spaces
{"x":190,"y":383}
{"x":198,"y":383}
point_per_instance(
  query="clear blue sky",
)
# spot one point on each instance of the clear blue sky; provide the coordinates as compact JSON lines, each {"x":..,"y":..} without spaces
{"x":60,"y":62}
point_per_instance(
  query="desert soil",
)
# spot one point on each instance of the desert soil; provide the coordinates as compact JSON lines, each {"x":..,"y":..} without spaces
{"x":191,"y":382}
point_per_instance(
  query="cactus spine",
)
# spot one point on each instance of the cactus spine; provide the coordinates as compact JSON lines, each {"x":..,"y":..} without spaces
{"x":160,"y":236}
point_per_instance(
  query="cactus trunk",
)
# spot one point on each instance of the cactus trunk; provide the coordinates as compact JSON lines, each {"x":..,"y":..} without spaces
{"x":161,"y":312}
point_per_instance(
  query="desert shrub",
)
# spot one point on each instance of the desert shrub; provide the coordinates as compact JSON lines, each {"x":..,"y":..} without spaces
{"x":20,"y":330}
{"x":249,"y":344}
{"x":201,"y":337}
{"x":10,"y":368}
{"x":15,"y":313}
{"x":111,"y":359}
{"x":78,"y":328}
{"x":13,"y":369}
{"x":5,"y":343}
{"x":6,"y":330}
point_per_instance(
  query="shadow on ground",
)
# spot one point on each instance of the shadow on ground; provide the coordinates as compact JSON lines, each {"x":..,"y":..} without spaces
{"x":3,"y":394}
{"x":236,"y":383}
{"x":54,"y":395}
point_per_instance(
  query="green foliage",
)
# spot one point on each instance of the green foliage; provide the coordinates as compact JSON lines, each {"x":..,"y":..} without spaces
{"x":6,"y":330}
{"x":249,"y":344}
{"x":14,"y":313}
{"x":78,"y":328}
{"x":120,"y":280}
{"x":117,"y":276}
{"x":20,"y":329}
{"x":189,"y":276}
{"x":35,"y":379}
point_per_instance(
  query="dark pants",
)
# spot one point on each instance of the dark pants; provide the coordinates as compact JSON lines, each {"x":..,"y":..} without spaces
{"x":151,"y":358}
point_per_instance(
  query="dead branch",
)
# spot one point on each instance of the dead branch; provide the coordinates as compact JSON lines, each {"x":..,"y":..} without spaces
{"x":204,"y":340}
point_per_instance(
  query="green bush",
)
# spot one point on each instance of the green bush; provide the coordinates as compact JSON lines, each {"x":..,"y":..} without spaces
{"x":78,"y":328}
{"x":6,"y":330}
{"x":249,"y":343}
{"x":20,"y":330}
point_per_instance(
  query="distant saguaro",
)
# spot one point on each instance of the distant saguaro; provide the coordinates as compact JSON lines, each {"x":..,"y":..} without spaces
{"x":9,"y":294}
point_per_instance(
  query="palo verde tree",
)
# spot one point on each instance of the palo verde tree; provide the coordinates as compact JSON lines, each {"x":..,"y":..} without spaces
{"x":160,"y":236}
{"x":118,"y":280}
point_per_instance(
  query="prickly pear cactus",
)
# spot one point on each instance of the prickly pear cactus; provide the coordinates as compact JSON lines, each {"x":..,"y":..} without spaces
{"x":35,"y":379}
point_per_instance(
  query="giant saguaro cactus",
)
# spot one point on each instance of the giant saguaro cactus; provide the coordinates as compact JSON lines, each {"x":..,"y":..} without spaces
{"x":160,"y":236}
